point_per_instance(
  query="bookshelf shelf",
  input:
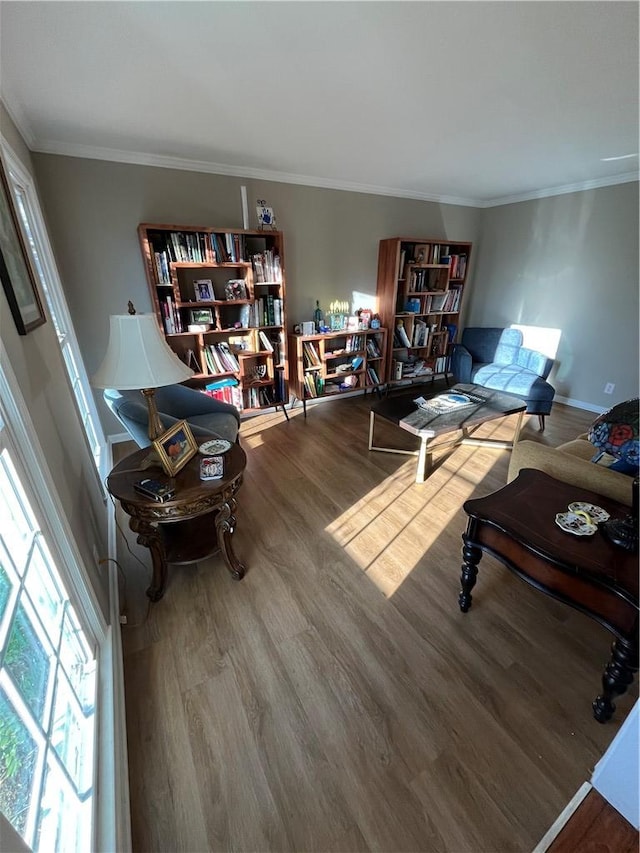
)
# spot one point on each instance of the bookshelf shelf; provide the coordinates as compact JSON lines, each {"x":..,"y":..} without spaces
{"x":419,"y":301}
{"x":322,"y":364}
{"x":233,"y":281}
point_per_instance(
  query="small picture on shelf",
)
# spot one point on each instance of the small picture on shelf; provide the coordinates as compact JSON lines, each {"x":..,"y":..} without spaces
{"x":204,"y":290}
{"x":201,"y":316}
{"x":235,"y":288}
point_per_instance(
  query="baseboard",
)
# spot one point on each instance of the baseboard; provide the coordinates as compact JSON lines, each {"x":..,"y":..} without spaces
{"x":580,"y":404}
{"x":558,"y":825}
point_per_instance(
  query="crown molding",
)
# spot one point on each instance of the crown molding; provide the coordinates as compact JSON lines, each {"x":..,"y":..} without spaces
{"x":116,"y":155}
{"x":140,"y":159}
{"x":595,"y":184}
{"x":18,"y":117}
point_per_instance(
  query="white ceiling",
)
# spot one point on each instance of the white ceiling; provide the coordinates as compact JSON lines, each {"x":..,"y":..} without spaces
{"x":472,"y":102}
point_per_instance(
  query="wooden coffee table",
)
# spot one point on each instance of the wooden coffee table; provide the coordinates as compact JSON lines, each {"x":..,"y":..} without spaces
{"x":404,"y":413}
{"x":517,"y":526}
{"x":198,"y":522}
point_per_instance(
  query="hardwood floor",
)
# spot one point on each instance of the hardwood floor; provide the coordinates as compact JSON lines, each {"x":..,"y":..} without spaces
{"x":336,"y":699}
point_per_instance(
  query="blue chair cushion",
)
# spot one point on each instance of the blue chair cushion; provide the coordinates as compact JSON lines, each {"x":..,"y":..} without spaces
{"x":513,"y":379}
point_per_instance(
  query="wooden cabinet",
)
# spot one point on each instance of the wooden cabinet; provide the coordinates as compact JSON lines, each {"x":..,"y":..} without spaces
{"x":337,"y":362}
{"x":420,"y":289}
{"x":219,"y":297}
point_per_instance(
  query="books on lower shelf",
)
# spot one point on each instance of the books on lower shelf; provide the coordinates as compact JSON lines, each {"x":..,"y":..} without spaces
{"x":227,"y":391}
{"x":401,"y":334}
{"x":220,"y":359}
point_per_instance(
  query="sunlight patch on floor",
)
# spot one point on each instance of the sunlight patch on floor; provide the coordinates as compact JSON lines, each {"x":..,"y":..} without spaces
{"x":383,"y":532}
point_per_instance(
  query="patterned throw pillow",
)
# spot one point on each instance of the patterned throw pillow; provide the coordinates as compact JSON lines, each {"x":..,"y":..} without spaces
{"x":616,"y":432}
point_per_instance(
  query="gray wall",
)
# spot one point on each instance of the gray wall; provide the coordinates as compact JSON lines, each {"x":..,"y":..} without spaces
{"x":37,"y":362}
{"x":568,"y":262}
{"x":331,"y":237}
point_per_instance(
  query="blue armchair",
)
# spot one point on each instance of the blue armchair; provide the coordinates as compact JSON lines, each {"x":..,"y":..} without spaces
{"x":207,"y":417}
{"x":495,"y":358}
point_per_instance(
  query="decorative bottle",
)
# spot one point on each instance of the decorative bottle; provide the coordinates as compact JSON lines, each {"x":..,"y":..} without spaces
{"x":318,"y":317}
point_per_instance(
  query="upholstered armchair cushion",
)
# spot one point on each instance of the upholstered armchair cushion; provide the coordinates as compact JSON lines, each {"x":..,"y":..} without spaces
{"x":207,"y":417}
{"x":495,"y":358}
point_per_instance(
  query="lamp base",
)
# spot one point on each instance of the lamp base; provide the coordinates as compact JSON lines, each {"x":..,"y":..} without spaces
{"x":623,"y":532}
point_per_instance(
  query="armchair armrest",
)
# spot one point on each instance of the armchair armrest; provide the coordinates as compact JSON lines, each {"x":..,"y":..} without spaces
{"x":461,"y":363}
{"x":182,"y":402}
{"x":569,"y":468}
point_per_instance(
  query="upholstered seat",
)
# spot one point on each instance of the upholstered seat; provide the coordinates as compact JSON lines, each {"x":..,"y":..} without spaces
{"x":207,"y":417}
{"x":495,"y":358}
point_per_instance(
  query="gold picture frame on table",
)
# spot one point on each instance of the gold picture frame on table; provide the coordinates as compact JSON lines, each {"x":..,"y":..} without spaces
{"x":17,"y":273}
{"x":176,"y":447}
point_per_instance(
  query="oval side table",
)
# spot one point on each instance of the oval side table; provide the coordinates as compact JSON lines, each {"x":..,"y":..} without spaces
{"x":196,"y":523}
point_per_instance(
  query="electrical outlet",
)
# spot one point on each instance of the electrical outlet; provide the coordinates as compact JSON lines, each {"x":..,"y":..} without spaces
{"x":608,"y":388}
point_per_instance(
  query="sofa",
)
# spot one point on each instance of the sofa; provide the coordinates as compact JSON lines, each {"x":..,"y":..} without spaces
{"x":206,"y":416}
{"x":572,"y":463}
{"x":495,"y":358}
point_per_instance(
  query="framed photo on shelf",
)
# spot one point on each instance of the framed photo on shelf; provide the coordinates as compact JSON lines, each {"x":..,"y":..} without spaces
{"x":204,"y":290}
{"x":176,"y":447}
{"x":235,"y":288}
{"x":16,"y":268}
{"x":201,"y":315}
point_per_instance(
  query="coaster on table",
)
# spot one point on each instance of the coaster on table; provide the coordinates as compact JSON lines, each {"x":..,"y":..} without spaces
{"x":596,"y":513}
{"x":571,"y":522}
{"x":214,"y":447}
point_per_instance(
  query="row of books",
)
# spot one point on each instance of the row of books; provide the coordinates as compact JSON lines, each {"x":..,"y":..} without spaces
{"x":373,"y":348}
{"x":451,"y":303}
{"x":216,"y":248}
{"x":271,"y":343}
{"x":266,"y":395}
{"x":226,"y":390}
{"x":267,"y":311}
{"x":220,"y":359}
{"x":424,"y":281}
{"x":266,"y":267}
{"x":310,"y":354}
{"x":313,"y":385}
{"x":458,"y":266}
{"x":372,"y":376}
{"x":171,"y":317}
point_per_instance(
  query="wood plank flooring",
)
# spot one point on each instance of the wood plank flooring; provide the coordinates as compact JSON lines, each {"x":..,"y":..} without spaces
{"x":336,"y":699}
{"x":596,"y":827}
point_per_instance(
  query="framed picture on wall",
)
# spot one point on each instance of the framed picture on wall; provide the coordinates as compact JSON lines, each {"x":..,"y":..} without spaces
{"x":17,"y":273}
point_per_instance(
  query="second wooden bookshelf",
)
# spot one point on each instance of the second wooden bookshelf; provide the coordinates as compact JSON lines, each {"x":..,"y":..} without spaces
{"x":421,"y":284}
{"x":334,"y":363}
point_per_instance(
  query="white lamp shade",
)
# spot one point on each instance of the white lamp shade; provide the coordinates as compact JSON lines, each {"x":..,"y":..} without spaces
{"x":138,"y":357}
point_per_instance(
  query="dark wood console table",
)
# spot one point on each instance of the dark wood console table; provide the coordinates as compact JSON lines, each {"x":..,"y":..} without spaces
{"x":198,"y":522}
{"x":517,"y":526}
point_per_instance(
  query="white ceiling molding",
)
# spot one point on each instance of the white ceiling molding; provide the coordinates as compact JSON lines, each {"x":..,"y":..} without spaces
{"x":137,"y":158}
{"x":626,"y":178}
{"x":140,"y":159}
{"x":18,"y":117}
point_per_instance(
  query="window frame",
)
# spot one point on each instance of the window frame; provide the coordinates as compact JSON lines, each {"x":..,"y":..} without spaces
{"x":21,"y":182}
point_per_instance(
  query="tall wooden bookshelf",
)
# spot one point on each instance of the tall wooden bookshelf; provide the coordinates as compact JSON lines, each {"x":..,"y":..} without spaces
{"x":420,"y":290}
{"x":219,"y":298}
{"x":334,"y":363}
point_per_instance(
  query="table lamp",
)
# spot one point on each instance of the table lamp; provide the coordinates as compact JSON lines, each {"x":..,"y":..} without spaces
{"x":138,"y":358}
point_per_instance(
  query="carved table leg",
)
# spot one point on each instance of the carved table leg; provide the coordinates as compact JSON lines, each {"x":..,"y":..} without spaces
{"x":471,"y":556}
{"x":151,"y":538}
{"x":618,"y":675}
{"x":225,"y":524}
